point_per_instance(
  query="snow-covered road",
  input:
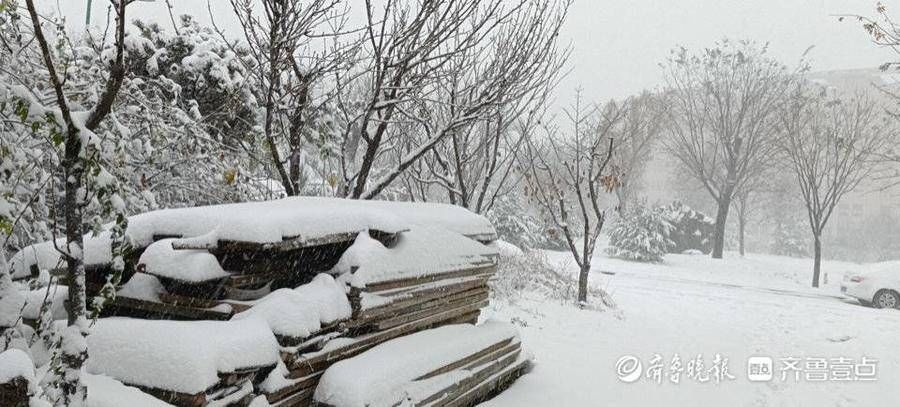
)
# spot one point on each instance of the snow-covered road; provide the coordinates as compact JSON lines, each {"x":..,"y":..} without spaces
{"x":690,"y":306}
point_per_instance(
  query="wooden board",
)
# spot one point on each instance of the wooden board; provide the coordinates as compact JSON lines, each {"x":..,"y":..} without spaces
{"x":485,"y":267}
{"x":489,"y":387}
{"x":132,"y":307}
{"x":302,"y":384}
{"x":191,"y":302}
{"x":413,"y":305}
{"x":479,"y":375}
{"x":420,"y":295}
{"x":301,"y":399}
{"x":303,"y":366}
{"x":473,"y":359}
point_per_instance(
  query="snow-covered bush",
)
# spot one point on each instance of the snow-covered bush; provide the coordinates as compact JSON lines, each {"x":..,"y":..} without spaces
{"x":640,"y":235}
{"x":530,"y":272}
{"x":206,"y":74}
{"x":690,"y":229}
{"x":791,"y":239}
{"x":517,"y":225}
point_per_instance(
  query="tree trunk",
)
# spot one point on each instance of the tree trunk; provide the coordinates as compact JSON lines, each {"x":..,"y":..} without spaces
{"x":583,"y":282}
{"x":622,"y":196}
{"x":74,"y":351}
{"x":817,"y":259}
{"x":719,"y":232}
{"x":742,"y":223}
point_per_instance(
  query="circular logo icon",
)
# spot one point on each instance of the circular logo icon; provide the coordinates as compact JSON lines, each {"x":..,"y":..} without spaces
{"x":629,"y":369}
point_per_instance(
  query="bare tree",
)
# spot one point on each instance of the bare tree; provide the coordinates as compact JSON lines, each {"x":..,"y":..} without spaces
{"x":476,"y":165}
{"x":435,"y":69}
{"x":567,"y":177}
{"x":75,"y":128}
{"x":287,"y":63}
{"x":884,"y":32}
{"x":640,"y":130}
{"x":829,"y":143}
{"x":722,"y":107}
{"x":744,"y":204}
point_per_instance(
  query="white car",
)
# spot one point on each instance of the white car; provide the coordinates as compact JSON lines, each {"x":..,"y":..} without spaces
{"x":878,"y":287}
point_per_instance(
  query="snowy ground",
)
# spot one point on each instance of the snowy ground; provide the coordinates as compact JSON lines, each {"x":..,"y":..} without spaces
{"x":739,"y":307}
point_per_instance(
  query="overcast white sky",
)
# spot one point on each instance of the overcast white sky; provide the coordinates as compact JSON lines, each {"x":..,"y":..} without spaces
{"x":618,"y":44}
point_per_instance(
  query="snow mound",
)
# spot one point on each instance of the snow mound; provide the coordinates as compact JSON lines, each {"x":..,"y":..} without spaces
{"x":301,"y":311}
{"x":11,"y":301}
{"x":302,"y":218}
{"x":45,"y":256}
{"x":450,"y":217}
{"x":107,"y":392}
{"x":180,"y":356}
{"x":15,"y":363}
{"x":386,"y":369}
{"x":194,"y":266}
{"x":53,"y":296}
{"x":507,"y":249}
{"x":142,"y":287}
{"x":266,"y":221}
{"x":422,"y":251}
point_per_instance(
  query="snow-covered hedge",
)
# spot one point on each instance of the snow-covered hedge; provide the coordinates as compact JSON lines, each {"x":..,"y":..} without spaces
{"x":640,"y":235}
{"x":517,"y":225}
{"x":690,"y":229}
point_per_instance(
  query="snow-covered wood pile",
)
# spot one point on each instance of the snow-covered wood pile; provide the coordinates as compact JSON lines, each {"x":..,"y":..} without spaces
{"x":231,"y":303}
{"x":459,"y":364}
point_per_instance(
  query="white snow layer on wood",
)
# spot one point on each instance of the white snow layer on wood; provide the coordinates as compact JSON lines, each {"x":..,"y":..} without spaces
{"x":506,"y":249}
{"x":142,"y":287}
{"x":301,"y":311}
{"x":53,"y":297}
{"x":161,"y":260}
{"x":413,"y":392}
{"x":451,"y":217}
{"x":265,"y":222}
{"x":386,"y":369}
{"x":15,"y":363}
{"x":105,"y":391}
{"x":11,"y":302}
{"x":305,"y":218}
{"x":180,"y":356}
{"x":422,"y":251}
{"x":46,"y":256}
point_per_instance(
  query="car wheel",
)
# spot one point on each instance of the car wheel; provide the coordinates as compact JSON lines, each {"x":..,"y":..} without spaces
{"x":886,"y":299}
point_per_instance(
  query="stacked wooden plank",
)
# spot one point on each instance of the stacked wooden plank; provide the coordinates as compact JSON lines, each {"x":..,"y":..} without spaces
{"x":401,"y":278}
{"x":185,"y":363}
{"x":254,"y":269}
{"x":233,"y":389}
{"x":400,"y":307}
{"x":456,"y":365}
{"x":388,"y":304}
